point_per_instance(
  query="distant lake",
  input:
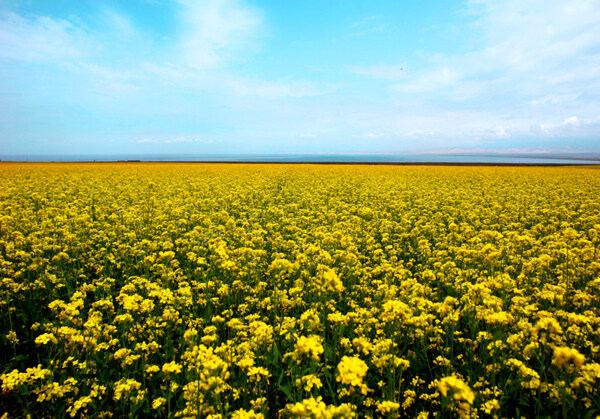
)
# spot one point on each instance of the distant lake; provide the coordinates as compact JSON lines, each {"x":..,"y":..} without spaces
{"x":317,"y":158}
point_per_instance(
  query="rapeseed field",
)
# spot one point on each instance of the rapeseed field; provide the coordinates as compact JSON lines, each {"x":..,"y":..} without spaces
{"x":322,"y":291}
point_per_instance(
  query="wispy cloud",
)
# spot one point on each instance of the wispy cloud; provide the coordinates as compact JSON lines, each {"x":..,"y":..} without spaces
{"x":215,"y":31}
{"x":188,"y":140}
{"x":536,"y":67}
{"x":253,"y":86}
{"x":178,"y":140}
{"x":42,"y":38}
{"x":555,"y":99}
{"x":366,"y":25}
{"x":572,"y":126}
{"x":420,"y":134}
{"x":119,"y":58}
{"x":480,"y":150}
{"x":381,"y":71}
{"x":439,"y":80}
{"x":531,"y":48}
{"x":227,"y":70}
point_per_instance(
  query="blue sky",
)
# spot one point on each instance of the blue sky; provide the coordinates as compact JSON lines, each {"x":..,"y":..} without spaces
{"x":236,"y":76}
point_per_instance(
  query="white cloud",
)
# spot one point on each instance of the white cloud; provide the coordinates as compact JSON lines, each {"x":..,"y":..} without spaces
{"x":41,"y":38}
{"x":537,"y":65}
{"x":366,"y":21}
{"x":367,"y":25}
{"x":496,"y":132}
{"x":534,"y":49}
{"x":120,"y":23}
{"x":534,"y":69}
{"x":554,"y":99}
{"x":480,"y":150}
{"x":420,"y":133}
{"x":570,"y":127}
{"x":177,"y":140}
{"x":381,"y":71}
{"x":248,"y":86}
{"x":216,"y":30}
{"x":119,"y":60}
{"x":433,"y":81}
{"x":188,"y":140}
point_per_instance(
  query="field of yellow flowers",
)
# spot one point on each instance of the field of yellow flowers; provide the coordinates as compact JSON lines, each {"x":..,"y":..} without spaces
{"x":247,"y":291}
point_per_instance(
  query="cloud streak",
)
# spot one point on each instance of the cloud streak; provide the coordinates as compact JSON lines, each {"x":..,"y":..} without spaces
{"x":42,"y":39}
{"x":532,"y":48}
{"x":528,"y":73}
{"x":535,"y":75}
{"x":217,"y":31}
{"x":381,"y":71}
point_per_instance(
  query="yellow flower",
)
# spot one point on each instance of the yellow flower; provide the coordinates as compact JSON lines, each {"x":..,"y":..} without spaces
{"x":208,"y":339}
{"x":316,"y":408}
{"x":308,"y":345}
{"x":351,"y":371}
{"x":12,"y":337}
{"x":532,"y":377}
{"x":14,"y":379}
{"x":79,"y":405}
{"x":171,"y":368}
{"x":308,"y":382}
{"x":562,"y":355}
{"x":158,"y":403}
{"x":122,"y":353}
{"x":491,"y":406}
{"x":460,"y":391}
{"x":331,"y":281}
{"x":256,"y":373}
{"x":246,"y":414}
{"x":387,"y":406}
{"x":125,"y":387}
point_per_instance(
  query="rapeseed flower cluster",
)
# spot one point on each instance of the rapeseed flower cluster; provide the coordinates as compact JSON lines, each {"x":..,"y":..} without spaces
{"x":249,"y":291}
{"x":351,"y":371}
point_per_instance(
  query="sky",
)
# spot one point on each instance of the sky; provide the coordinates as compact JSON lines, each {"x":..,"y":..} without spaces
{"x":311,"y":76}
